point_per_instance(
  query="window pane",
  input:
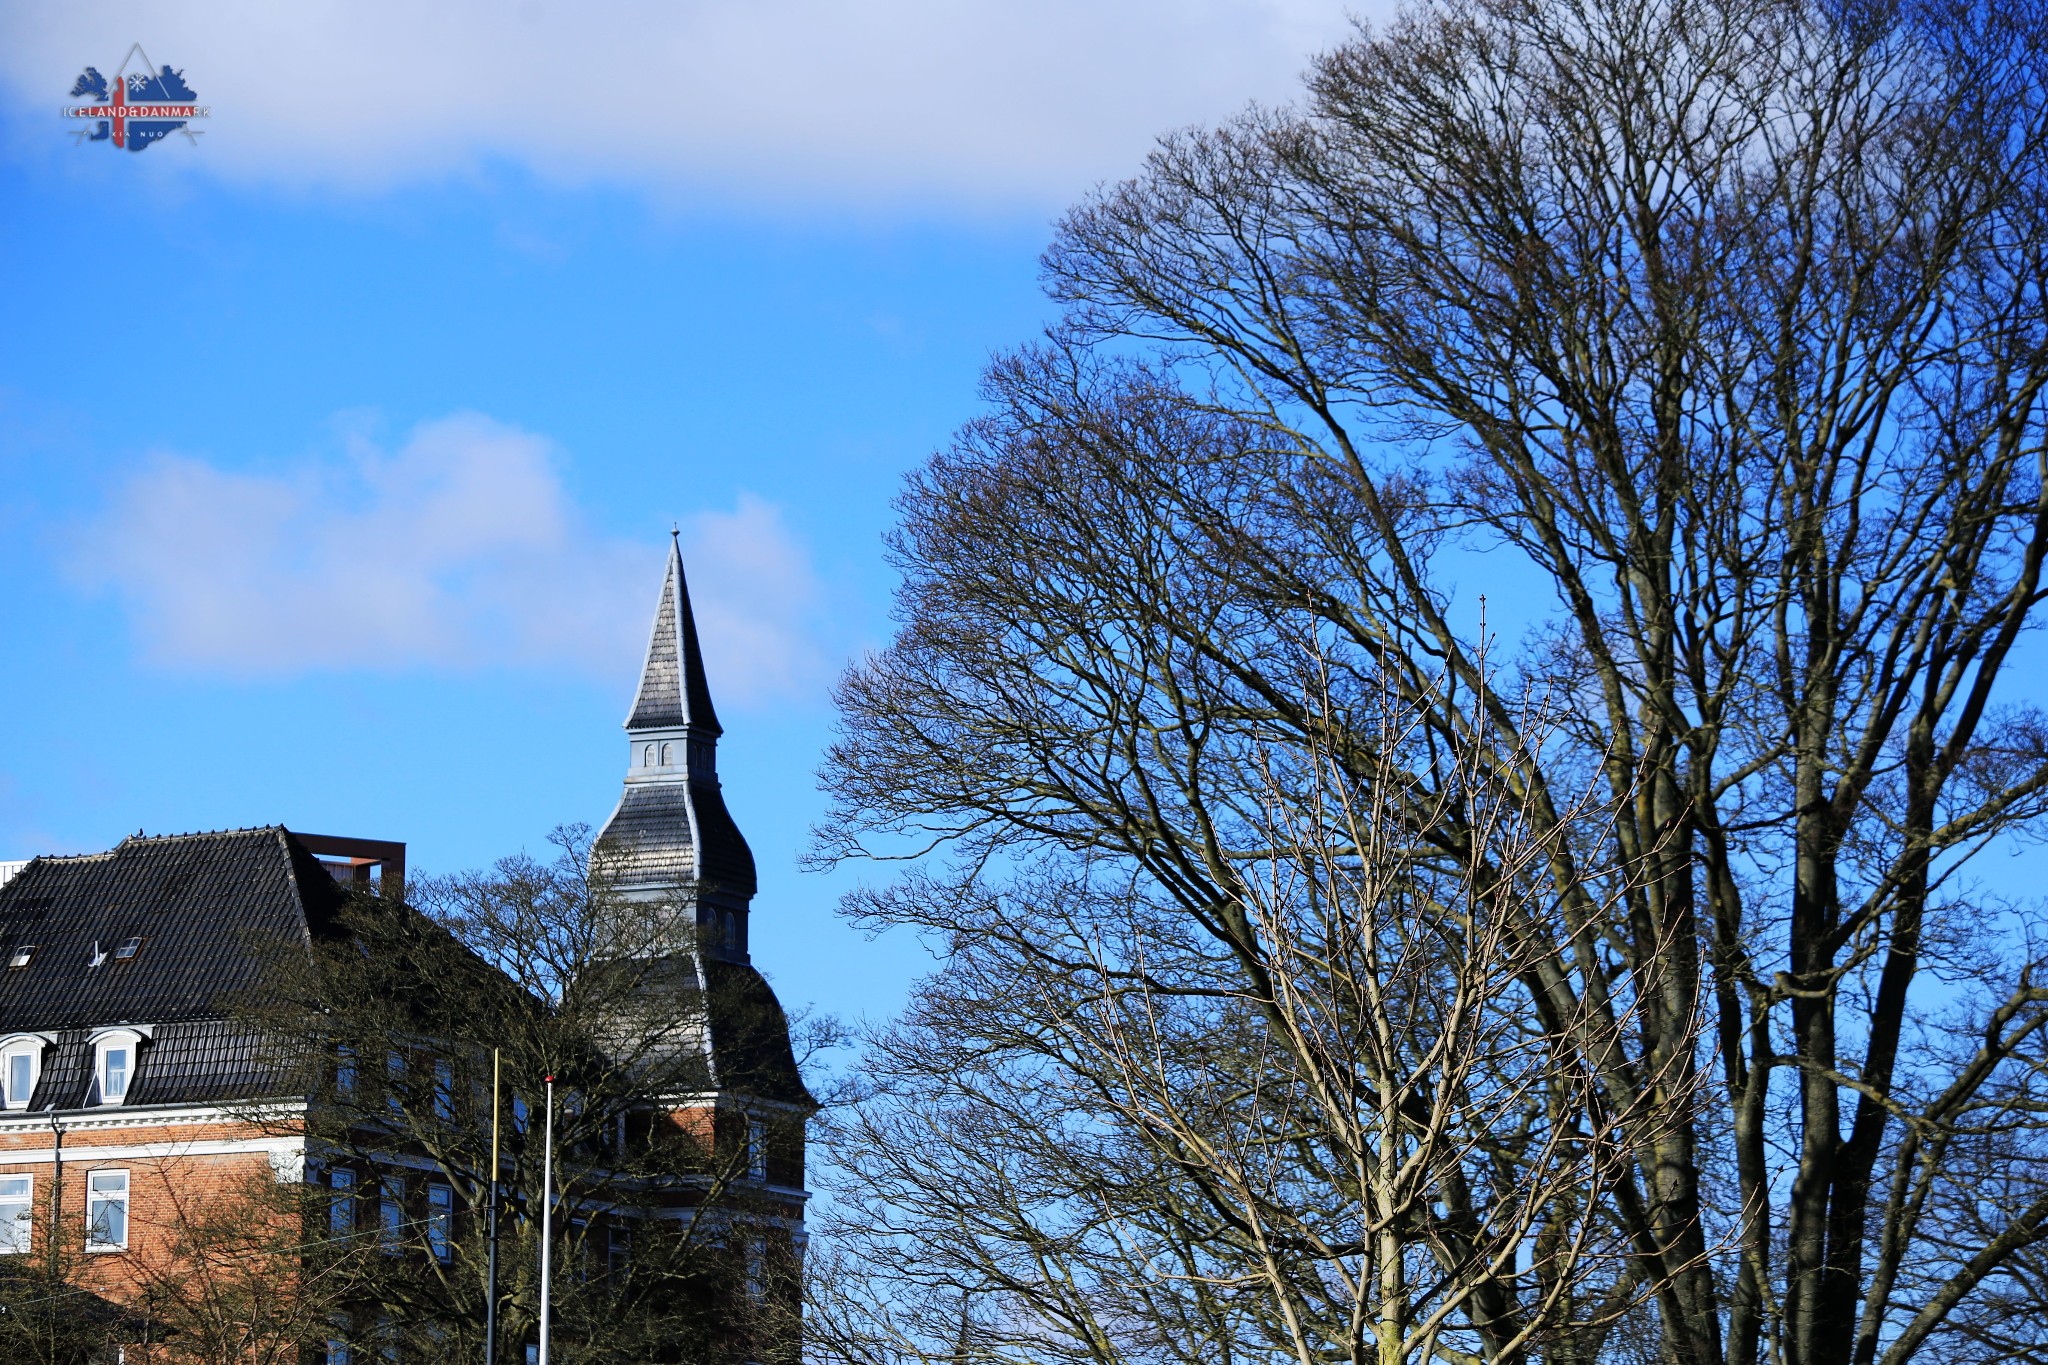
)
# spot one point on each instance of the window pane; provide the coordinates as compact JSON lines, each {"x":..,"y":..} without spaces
{"x":107,"y":1210}
{"x":116,"y":1073}
{"x":444,"y":1092}
{"x":341,"y":1213}
{"x":440,"y":1221}
{"x":20,"y":1078}
{"x":391,"y":1215}
{"x":16,"y":1205}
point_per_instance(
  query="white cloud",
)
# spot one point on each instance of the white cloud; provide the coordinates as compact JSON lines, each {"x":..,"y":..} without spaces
{"x":987,"y":102}
{"x":459,"y":549}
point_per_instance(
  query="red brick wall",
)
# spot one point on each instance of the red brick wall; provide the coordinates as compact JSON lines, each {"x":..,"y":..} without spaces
{"x":168,"y":1190}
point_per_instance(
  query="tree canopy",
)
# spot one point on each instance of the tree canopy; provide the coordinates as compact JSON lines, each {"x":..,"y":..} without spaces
{"x":1708,"y":336}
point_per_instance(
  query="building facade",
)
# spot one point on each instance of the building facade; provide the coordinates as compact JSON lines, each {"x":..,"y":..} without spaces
{"x":134,"y":1091}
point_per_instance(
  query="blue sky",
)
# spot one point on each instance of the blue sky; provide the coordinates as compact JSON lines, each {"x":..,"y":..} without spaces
{"x":337,"y":451}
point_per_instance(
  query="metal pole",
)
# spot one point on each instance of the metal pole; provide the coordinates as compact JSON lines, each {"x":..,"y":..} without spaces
{"x":491,"y":1232}
{"x":56,"y":1233}
{"x":547,"y":1209}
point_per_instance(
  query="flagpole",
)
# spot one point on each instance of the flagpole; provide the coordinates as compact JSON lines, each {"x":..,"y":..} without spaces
{"x":491,"y":1232}
{"x":547,"y":1209}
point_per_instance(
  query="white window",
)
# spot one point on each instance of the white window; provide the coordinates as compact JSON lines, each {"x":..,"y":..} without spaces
{"x":113,"y":1068}
{"x":106,"y":1211}
{"x":757,"y":1150}
{"x":668,"y":754}
{"x":23,"y":954}
{"x":21,"y":1063}
{"x":115,"y":1063}
{"x":17,"y":1201}
{"x":441,"y":1221}
{"x":341,"y":1210}
{"x":647,"y":757}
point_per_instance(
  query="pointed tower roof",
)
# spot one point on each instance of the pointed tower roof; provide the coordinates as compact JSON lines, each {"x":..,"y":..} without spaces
{"x":672,"y":687}
{"x":670,"y":831}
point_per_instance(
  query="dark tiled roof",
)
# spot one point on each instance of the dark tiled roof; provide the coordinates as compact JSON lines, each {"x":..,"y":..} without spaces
{"x":672,"y":687}
{"x":721,"y":1024}
{"x":726,"y":863}
{"x":750,"y":1035}
{"x":207,"y":908}
{"x":202,"y":1062}
{"x":649,"y":839}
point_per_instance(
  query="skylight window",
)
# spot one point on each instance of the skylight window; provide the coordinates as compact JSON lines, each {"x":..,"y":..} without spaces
{"x":21,"y":955}
{"x":127,"y":949}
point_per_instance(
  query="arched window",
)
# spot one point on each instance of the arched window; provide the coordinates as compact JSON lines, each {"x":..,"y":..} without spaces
{"x":647,"y":757}
{"x":732,"y":931}
{"x":668,"y":754}
{"x":114,"y":1062}
{"x":21,"y":1066}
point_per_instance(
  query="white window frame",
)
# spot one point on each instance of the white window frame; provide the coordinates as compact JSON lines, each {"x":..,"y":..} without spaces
{"x":96,"y":1196}
{"x":127,"y":1040}
{"x":20,"y":1239}
{"x":32,"y":1046}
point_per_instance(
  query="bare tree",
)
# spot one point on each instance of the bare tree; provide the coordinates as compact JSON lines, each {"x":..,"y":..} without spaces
{"x":1344,"y":1137}
{"x":1713,"y":331}
{"x":230,"y":1277}
{"x":392,"y":1024}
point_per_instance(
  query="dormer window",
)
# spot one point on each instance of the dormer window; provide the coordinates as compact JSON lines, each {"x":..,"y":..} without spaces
{"x":115,"y":1063}
{"x":21,"y":1067}
{"x":113,"y":1069}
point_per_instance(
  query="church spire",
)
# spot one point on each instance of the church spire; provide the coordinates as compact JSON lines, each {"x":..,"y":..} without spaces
{"x":670,"y":837}
{"x":672,"y":688}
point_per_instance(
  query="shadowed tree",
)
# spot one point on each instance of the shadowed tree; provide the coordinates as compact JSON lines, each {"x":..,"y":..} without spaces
{"x":1714,"y":333}
{"x":392,"y":1022}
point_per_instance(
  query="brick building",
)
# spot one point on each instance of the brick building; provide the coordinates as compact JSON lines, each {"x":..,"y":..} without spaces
{"x":132,"y":1090}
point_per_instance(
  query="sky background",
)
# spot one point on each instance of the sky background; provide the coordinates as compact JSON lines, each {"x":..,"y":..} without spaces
{"x":338,"y":451}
